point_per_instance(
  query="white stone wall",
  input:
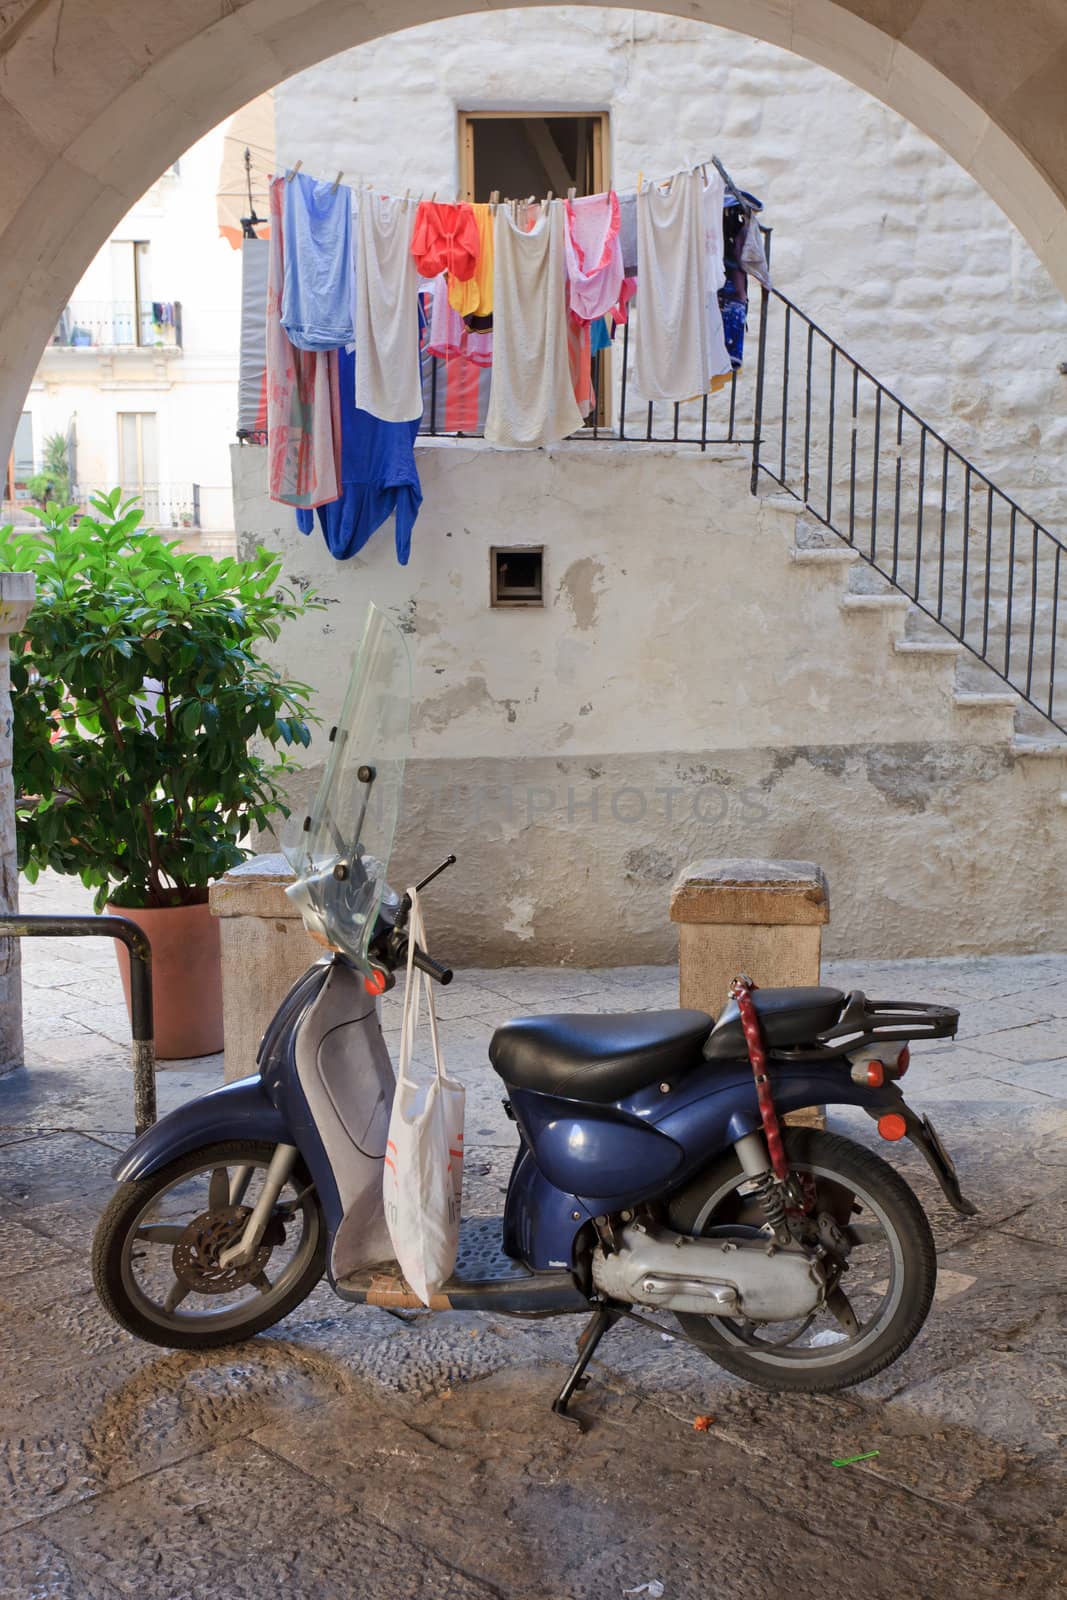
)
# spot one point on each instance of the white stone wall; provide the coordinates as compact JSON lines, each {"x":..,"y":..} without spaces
{"x":688,"y":690}
{"x":878,"y":235}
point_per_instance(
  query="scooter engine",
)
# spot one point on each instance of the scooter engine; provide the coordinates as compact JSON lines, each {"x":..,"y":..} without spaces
{"x":717,"y":1276}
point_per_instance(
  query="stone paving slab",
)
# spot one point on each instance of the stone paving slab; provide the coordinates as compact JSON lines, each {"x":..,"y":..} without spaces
{"x":349,"y":1453}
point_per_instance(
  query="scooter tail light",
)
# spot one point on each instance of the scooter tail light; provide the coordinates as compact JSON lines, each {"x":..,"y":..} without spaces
{"x":903,"y":1061}
{"x":871,"y":1073}
{"x":892,"y":1126}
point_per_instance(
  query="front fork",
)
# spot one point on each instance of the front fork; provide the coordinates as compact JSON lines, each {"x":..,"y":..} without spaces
{"x":281,"y":1165}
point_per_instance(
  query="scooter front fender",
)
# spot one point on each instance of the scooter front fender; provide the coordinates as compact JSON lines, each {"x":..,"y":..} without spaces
{"x":238,"y":1110}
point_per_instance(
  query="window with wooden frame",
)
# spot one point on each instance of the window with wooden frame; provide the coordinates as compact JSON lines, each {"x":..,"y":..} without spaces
{"x":518,"y":154}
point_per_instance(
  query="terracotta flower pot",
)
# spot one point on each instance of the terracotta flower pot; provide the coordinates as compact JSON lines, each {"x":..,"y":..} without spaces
{"x":186,"y":977}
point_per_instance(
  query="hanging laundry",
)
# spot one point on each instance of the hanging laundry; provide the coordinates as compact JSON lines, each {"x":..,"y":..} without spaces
{"x":449,"y":335}
{"x":446,"y":239}
{"x":599,"y":336}
{"x":627,"y":290}
{"x":252,"y":365}
{"x":734,"y":313}
{"x":733,"y":297}
{"x":455,"y":390}
{"x":474,"y":296}
{"x":379,"y":478}
{"x":303,"y":431}
{"x":317,"y":297}
{"x":579,"y":354}
{"x":712,"y":194}
{"x":594,"y":256}
{"x":670,"y":340}
{"x":531,"y":401}
{"x":628,"y":233}
{"x":751,"y":255}
{"x":387,"y":311}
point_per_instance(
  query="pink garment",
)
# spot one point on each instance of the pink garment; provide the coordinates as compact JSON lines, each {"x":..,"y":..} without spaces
{"x":303,"y":398}
{"x":579,"y":340}
{"x":449,"y":334}
{"x":621,"y":312}
{"x":594,"y":255}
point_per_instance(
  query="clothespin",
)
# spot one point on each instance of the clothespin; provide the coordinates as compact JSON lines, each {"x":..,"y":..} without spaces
{"x":407,"y":196}
{"x":572,"y":191}
{"x":433,"y":197}
{"x":494,"y":201}
{"x":337,"y":182}
{"x":640,"y":181}
{"x":294,"y":169}
{"x":548,"y":198}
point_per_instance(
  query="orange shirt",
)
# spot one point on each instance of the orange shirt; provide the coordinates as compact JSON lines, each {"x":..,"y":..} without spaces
{"x":446,"y":239}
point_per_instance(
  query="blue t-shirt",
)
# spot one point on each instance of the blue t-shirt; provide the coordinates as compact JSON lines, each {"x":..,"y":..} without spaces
{"x":379,"y":478}
{"x":317,"y":241}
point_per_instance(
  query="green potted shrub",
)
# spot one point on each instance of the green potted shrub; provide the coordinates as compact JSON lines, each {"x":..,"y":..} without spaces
{"x":147,"y":733}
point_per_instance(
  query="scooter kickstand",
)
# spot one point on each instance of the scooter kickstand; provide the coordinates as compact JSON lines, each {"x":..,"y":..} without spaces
{"x":590,"y":1336}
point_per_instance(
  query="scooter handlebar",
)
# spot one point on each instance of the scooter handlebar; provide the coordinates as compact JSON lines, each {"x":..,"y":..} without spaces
{"x":434,"y":968}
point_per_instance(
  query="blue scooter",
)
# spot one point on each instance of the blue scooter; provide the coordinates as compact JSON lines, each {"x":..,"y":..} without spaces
{"x":647,"y":1178}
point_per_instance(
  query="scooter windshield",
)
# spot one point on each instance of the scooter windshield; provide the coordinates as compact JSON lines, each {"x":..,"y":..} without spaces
{"x":340,"y":853}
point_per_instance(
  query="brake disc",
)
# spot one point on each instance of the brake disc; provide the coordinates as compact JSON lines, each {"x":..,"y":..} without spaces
{"x":196,"y":1255}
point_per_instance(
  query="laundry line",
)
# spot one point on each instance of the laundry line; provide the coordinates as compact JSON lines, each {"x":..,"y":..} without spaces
{"x":743,"y":198}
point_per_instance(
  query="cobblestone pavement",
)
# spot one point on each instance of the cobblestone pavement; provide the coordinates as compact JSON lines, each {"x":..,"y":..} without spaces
{"x":349,"y":1454}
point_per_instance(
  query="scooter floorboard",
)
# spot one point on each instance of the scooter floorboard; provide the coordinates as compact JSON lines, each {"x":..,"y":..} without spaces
{"x":485,"y":1279}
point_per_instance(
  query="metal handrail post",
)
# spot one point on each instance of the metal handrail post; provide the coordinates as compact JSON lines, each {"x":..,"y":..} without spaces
{"x":142,"y":1025}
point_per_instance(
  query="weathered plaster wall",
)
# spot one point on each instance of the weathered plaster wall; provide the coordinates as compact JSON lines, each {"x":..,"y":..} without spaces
{"x":878,"y":235}
{"x":688,"y":690}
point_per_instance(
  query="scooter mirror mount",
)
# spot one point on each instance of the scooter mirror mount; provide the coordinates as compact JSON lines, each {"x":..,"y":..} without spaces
{"x":405,"y":900}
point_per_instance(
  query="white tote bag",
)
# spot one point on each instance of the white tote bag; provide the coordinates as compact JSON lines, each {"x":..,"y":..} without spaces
{"x":423,"y":1178}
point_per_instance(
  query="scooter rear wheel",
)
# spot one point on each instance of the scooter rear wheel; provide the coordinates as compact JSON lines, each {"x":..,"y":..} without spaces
{"x":885,"y":1292}
{"x":157,"y":1245}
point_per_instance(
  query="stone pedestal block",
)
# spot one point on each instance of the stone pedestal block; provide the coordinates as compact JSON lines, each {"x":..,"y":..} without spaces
{"x":265,"y":949}
{"x":764,"y":918}
{"x":16,"y":603}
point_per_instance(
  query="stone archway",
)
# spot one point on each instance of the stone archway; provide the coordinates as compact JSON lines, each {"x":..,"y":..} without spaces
{"x":97,"y":96}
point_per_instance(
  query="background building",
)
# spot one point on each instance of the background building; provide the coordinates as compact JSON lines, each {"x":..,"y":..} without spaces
{"x":701,"y":676}
{"x":139,"y":381}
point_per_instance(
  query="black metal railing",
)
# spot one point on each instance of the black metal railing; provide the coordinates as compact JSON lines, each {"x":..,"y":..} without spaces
{"x":935,"y":527}
{"x":723,"y":418}
{"x":16,"y":925}
{"x":120,"y":325}
{"x":167,"y":506}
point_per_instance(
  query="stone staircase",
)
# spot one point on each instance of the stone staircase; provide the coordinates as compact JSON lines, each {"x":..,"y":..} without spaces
{"x":966,"y":581}
{"x":919,"y":651}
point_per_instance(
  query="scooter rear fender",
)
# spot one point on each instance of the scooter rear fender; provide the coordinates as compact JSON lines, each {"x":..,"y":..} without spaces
{"x":239,"y":1110}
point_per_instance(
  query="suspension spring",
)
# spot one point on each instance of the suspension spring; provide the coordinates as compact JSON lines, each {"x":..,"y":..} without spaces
{"x":772,"y":1199}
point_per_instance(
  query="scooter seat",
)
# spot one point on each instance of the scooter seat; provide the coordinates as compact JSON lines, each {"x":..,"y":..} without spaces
{"x":598,"y":1057}
{"x":787,"y":1017}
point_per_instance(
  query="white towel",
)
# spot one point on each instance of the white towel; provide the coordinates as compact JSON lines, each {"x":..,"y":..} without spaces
{"x":670,"y":337}
{"x":712,"y":194}
{"x":531,"y":401}
{"x":388,"y":380}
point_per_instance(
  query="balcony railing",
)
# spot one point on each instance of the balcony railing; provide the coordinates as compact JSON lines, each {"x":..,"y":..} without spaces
{"x":119,"y":325}
{"x":167,"y":506}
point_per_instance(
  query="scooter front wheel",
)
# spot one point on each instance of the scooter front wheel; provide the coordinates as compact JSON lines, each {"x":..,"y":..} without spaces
{"x":157,"y":1249}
